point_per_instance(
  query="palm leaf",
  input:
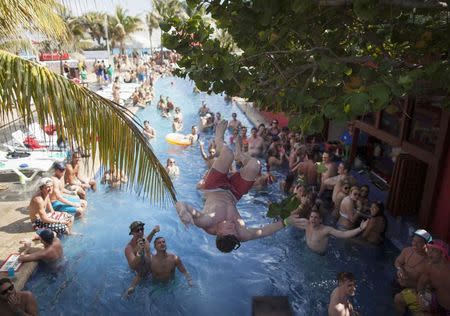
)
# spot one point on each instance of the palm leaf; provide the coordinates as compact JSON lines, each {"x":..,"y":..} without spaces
{"x":39,"y":16}
{"x":83,"y":116}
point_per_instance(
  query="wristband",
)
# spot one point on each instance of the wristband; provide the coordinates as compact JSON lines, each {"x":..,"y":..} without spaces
{"x":285,"y":222}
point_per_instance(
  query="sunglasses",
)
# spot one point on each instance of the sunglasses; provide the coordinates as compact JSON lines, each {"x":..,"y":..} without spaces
{"x":8,"y":289}
{"x":138,"y":230}
{"x":172,"y":161}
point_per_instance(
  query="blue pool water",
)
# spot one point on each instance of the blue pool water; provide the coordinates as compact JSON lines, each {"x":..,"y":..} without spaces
{"x":95,"y":274}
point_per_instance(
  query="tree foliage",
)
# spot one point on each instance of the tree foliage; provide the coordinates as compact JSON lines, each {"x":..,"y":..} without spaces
{"x":313,"y":60}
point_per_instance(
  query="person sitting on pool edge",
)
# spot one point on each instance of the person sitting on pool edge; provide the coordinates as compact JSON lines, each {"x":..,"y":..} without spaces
{"x":317,"y":234}
{"x":138,"y":253}
{"x":52,"y":252}
{"x":163,"y":264}
{"x":61,"y":202}
{"x":73,"y":178}
{"x":59,"y":222}
{"x":220,"y":216}
{"x":14,"y":302}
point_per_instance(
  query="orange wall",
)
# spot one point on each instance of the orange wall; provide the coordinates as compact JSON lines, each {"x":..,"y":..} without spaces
{"x":441,"y":220}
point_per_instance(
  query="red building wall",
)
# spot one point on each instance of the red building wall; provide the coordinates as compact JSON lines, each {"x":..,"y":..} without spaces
{"x":441,"y":220}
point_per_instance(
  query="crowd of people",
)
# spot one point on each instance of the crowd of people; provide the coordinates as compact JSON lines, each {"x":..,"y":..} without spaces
{"x":318,"y":186}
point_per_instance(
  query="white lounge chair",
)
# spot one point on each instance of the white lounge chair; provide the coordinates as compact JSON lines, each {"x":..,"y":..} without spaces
{"x":36,"y":162}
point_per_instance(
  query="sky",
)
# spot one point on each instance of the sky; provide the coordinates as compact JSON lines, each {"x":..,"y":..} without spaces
{"x":134,"y":7}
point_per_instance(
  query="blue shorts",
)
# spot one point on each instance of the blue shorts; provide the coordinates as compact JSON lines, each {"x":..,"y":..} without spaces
{"x":61,"y":207}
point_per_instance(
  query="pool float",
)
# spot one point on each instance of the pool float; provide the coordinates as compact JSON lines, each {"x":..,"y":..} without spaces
{"x":178,"y":139}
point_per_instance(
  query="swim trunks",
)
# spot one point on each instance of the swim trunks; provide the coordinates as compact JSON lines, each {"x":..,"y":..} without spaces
{"x":412,"y":300}
{"x":235,"y":184}
{"x":58,"y":228}
{"x":61,"y":207}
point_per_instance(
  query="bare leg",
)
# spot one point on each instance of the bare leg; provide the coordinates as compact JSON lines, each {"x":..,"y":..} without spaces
{"x":224,"y":161}
{"x":220,"y":134}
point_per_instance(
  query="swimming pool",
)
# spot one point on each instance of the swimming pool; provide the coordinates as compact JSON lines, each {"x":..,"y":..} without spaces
{"x":95,"y":274}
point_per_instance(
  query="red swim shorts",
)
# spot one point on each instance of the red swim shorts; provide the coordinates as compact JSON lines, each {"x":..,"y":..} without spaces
{"x":235,"y":184}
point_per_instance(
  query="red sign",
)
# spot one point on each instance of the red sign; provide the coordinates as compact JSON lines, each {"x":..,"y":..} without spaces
{"x":53,"y":56}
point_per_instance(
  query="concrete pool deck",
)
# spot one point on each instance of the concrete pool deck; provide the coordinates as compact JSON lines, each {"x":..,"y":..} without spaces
{"x":15,"y":224}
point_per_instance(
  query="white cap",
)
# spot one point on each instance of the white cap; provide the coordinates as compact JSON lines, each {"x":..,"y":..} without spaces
{"x":45,"y":181}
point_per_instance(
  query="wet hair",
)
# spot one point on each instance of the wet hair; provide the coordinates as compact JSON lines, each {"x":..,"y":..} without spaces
{"x":365,"y":186}
{"x":316,"y":210}
{"x":146,"y":122}
{"x":345,"y":276}
{"x":254,"y":129}
{"x":227,"y":243}
{"x":380,"y":206}
{"x":156,"y":239}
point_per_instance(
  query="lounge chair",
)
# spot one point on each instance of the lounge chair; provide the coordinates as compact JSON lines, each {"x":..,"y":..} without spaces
{"x":36,"y":162}
{"x":49,"y":141}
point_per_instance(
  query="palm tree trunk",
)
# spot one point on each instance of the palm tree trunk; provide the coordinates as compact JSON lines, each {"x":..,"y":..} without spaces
{"x":151,"y":45}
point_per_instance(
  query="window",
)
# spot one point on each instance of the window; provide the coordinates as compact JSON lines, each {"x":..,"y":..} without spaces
{"x":425,"y":126}
{"x":391,"y":119}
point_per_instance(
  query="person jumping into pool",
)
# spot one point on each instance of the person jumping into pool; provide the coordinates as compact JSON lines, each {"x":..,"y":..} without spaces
{"x":163,"y":264}
{"x":138,"y":253}
{"x":317,"y":234}
{"x":220,"y":216}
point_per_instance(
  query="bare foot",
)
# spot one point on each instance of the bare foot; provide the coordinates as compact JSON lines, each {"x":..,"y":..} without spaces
{"x":220,"y":134}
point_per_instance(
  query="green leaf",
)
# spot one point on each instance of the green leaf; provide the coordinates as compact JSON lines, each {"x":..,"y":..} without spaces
{"x":348,"y":71}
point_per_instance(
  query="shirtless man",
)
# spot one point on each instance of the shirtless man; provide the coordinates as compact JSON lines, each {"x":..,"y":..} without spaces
{"x":330,"y":172}
{"x":148,"y":131}
{"x":193,"y":136}
{"x":340,"y":304}
{"x":209,"y":159}
{"x":14,"y":302}
{"x":60,"y":202}
{"x":38,"y":211}
{"x":138,"y":253}
{"x":73,"y":178}
{"x":255,"y":144}
{"x":436,"y":275}
{"x":178,"y":115}
{"x":203,"y":109}
{"x":410,"y":265}
{"x":307,"y":168}
{"x":234,"y":124}
{"x":317,"y":234}
{"x":52,"y":252}
{"x":164,"y":263}
{"x":176,"y":125}
{"x":220,"y":216}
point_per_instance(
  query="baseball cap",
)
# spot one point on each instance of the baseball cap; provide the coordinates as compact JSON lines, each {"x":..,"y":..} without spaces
{"x":59,"y":165}
{"x":45,"y":181}
{"x":422,"y":233}
{"x":440,"y":245}
{"x":135,"y":225}
{"x":46,"y":235}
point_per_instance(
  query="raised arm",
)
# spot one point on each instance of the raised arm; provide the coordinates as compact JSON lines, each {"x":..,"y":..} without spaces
{"x":180,"y":266}
{"x":152,"y":233}
{"x":348,"y":233}
{"x":202,"y":151}
{"x":189,"y":215}
{"x":245,"y":234}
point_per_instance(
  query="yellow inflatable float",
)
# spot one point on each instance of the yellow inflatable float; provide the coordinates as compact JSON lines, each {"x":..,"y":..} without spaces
{"x":178,"y":139}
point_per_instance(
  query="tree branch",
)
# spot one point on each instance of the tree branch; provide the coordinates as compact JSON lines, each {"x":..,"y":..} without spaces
{"x":410,"y":4}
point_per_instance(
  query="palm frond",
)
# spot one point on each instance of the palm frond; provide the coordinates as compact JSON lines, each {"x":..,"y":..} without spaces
{"x":17,"y":16}
{"x":83,"y":116}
